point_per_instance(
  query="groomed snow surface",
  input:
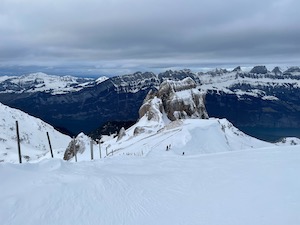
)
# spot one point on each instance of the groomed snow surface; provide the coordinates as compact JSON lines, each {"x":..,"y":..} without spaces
{"x":242,"y":187}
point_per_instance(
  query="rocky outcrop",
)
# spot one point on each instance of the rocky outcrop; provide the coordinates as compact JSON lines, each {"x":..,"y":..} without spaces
{"x":178,"y":99}
{"x":75,"y":146}
{"x":121,"y":133}
{"x":277,"y":71}
{"x":259,"y":70}
{"x":291,"y":70}
{"x":237,"y":69}
{"x":152,"y":108}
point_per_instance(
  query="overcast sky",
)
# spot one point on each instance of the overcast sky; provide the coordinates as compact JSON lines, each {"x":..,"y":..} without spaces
{"x":121,"y":36}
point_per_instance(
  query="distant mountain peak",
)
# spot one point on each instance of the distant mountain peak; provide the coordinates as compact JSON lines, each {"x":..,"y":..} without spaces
{"x":293,"y":69}
{"x":237,"y":69}
{"x":277,"y":71}
{"x":259,"y":70}
{"x":101,"y":79}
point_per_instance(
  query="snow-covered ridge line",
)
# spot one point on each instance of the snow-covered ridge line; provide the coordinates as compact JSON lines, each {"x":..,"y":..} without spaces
{"x":219,"y":79}
{"x":41,"y":82}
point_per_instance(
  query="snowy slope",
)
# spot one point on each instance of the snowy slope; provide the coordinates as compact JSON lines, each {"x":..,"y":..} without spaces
{"x":34,"y":142}
{"x":250,"y":187}
{"x":191,"y":136}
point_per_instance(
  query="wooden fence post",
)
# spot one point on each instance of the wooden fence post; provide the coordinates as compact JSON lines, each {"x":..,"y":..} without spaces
{"x":18,"y":140}
{"x":50,"y":144}
{"x":100,"y":148}
{"x":92,"y":150}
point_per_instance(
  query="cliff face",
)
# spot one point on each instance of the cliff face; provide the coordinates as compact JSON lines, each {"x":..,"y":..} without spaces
{"x":177,"y":99}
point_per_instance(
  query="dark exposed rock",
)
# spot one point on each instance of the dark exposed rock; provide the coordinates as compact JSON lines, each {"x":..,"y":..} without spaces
{"x":237,"y":69}
{"x":139,"y":130}
{"x":110,"y":127}
{"x":259,"y":70}
{"x":277,"y":71}
{"x":291,"y":70}
{"x":178,"y":75}
{"x":75,"y":146}
{"x":121,"y":133}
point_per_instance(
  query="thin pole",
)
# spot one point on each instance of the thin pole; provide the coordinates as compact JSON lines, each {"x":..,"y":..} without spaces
{"x":92,"y":150}
{"x":100,"y":149}
{"x":18,"y":140}
{"x":50,"y":144}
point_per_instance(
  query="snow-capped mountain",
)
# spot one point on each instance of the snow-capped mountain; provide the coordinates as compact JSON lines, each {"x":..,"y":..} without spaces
{"x":259,"y":82}
{"x":33,"y":137}
{"x":255,"y":99}
{"x":221,"y":80}
{"x":41,"y":82}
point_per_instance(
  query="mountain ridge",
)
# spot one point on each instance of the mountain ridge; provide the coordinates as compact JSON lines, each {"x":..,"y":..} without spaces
{"x":246,"y":99}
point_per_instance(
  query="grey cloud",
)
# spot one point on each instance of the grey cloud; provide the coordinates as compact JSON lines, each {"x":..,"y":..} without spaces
{"x":136,"y":34}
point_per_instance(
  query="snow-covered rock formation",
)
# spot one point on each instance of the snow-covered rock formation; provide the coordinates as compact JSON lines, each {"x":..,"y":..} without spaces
{"x":178,"y":99}
{"x":77,"y":145}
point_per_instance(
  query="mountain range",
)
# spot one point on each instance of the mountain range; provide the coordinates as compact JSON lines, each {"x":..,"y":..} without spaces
{"x":255,"y":101}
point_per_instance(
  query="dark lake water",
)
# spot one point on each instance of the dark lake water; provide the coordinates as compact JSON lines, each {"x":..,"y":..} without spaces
{"x":271,"y":134}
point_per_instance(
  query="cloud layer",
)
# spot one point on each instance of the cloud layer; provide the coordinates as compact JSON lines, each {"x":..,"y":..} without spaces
{"x":119,"y":36}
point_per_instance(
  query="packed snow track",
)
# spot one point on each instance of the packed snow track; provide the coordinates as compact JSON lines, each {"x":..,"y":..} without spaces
{"x":242,"y":187}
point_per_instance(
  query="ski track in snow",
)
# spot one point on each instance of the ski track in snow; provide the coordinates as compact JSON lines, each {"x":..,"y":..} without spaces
{"x":246,"y":187}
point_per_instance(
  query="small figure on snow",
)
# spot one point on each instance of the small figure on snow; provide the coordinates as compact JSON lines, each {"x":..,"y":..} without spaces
{"x":167,"y":148}
{"x":182,"y":153}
